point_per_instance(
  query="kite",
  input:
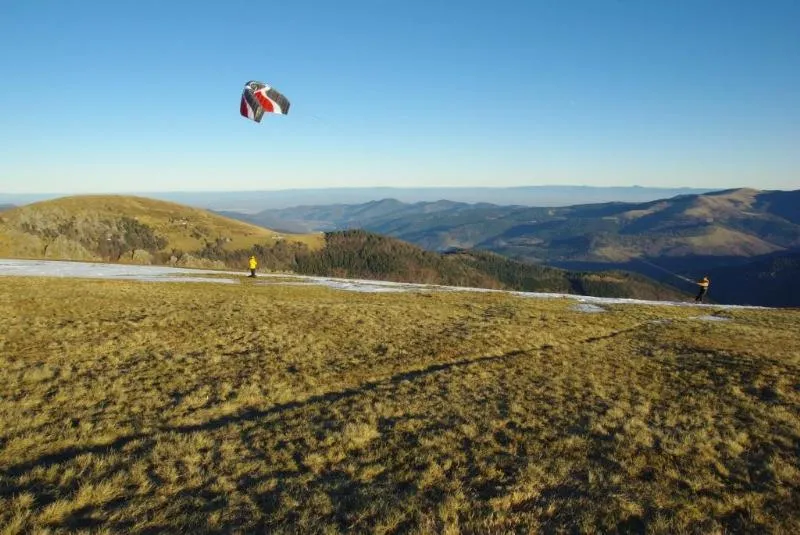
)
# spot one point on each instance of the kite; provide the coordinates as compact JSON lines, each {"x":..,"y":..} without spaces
{"x":259,"y":98}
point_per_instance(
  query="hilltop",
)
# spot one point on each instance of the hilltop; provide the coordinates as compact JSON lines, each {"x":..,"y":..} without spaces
{"x":134,"y":229}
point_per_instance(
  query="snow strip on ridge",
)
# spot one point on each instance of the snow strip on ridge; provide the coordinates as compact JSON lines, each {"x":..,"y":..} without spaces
{"x":69,"y":269}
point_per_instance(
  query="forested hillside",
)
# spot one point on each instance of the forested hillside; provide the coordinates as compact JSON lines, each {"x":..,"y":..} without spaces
{"x":361,"y":254}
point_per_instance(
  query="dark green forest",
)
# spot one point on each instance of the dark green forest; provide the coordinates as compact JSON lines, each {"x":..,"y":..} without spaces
{"x":366,"y":255}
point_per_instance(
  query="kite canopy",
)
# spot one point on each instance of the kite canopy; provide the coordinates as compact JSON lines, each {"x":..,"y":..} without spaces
{"x":259,"y":98}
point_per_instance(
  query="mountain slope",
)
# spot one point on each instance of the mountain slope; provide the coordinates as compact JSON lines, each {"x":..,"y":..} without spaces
{"x":733,"y":223}
{"x":741,"y":222}
{"x":361,"y":254}
{"x":120,"y":228}
{"x":434,"y":225}
{"x":667,"y":240}
{"x":267,"y":221}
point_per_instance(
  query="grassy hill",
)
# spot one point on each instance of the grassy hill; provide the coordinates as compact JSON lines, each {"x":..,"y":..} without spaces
{"x":128,"y":228}
{"x":260,"y":408}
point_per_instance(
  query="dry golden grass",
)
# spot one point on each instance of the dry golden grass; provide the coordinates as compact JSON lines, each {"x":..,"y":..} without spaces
{"x":185,"y":228}
{"x":725,"y":241}
{"x":142,"y":408}
{"x":732,"y":202}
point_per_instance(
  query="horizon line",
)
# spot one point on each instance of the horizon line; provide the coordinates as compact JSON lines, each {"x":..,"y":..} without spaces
{"x":499,"y":188}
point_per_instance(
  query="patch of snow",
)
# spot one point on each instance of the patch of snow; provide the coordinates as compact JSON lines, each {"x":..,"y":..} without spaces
{"x":284,"y":283}
{"x":91,"y":270}
{"x":709,"y":317}
{"x":167,"y":278}
{"x":57,"y":268}
{"x":627,"y":300}
{"x":362,"y":287}
{"x":588,"y":307}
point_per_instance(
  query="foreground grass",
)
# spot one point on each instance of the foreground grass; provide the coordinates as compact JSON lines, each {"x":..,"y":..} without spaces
{"x":141,"y":407}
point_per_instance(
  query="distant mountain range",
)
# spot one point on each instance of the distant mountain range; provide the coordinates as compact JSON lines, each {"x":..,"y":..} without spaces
{"x":139,"y":230}
{"x":255,"y":201}
{"x":670,"y":240}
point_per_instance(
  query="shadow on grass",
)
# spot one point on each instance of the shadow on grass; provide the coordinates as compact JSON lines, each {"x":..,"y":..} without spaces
{"x":120,"y":443}
{"x":492,"y":468}
{"x":71,"y":453}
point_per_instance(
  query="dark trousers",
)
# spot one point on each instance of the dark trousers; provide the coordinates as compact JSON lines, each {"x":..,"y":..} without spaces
{"x":252,"y":272}
{"x":701,"y":294}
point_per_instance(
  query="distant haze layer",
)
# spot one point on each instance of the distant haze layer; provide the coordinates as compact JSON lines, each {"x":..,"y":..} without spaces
{"x":254,"y":201}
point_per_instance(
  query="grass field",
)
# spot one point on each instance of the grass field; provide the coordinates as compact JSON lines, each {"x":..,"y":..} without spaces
{"x":179,"y":407}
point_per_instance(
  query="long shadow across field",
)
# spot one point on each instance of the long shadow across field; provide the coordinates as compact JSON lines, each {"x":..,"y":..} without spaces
{"x":120,"y":443}
{"x":351,"y":498}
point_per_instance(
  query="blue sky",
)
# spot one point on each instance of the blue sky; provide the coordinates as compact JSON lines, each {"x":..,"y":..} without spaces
{"x":143,"y":95}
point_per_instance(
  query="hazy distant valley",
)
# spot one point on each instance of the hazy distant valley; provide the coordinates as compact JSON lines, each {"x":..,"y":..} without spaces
{"x":747,"y":240}
{"x":256,"y":201}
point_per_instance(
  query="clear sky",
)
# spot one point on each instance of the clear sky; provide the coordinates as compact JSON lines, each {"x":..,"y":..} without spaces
{"x":143,"y":95}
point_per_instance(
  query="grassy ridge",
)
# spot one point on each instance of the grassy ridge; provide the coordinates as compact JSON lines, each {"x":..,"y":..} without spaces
{"x":138,"y":407}
{"x":102,"y":227}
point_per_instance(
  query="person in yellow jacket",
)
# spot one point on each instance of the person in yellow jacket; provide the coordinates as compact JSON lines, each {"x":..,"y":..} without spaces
{"x":253,"y":266}
{"x":703,"y":283}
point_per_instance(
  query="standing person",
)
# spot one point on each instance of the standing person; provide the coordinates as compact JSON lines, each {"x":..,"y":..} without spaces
{"x":253,"y":266}
{"x":703,"y":283}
